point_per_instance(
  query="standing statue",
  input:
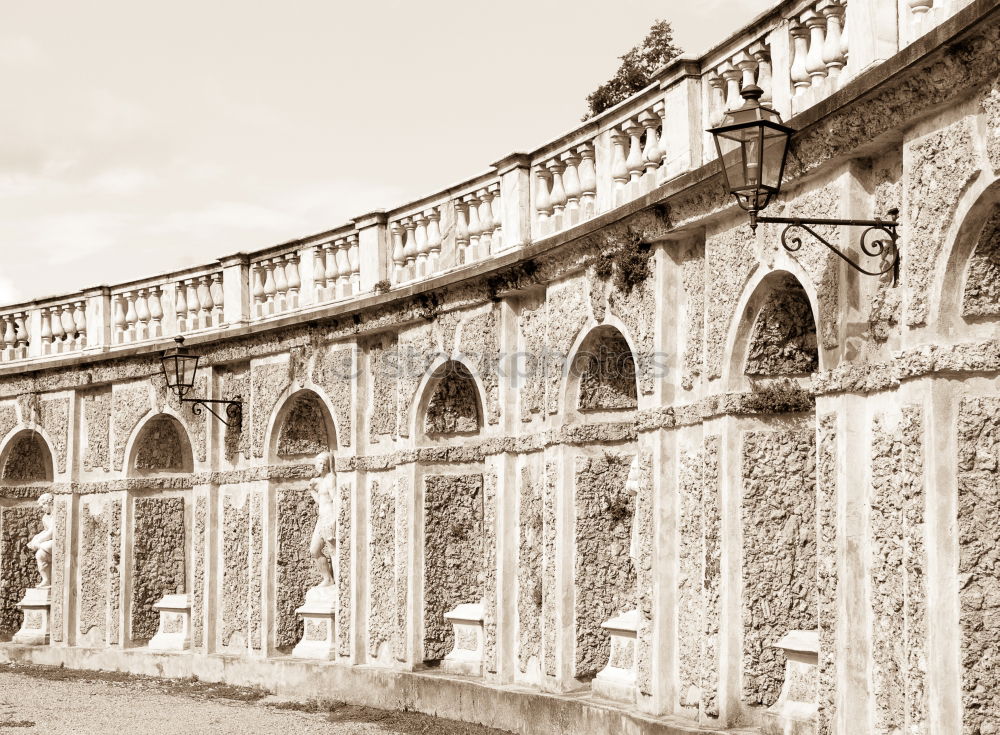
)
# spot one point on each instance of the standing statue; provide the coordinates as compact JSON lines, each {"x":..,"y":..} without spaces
{"x":323,"y":489}
{"x":41,"y":542}
{"x":632,"y":488}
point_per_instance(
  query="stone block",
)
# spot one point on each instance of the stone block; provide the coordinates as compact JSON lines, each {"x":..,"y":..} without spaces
{"x":174,"y":632}
{"x":34,"y":630}
{"x":794,"y":713}
{"x":467,"y":655}
{"x":319,"y":614}
{"x":617,"y":680}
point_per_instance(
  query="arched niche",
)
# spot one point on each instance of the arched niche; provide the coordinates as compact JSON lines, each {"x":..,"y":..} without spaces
{"x":777,"y":333}
{"x":161,"y":446}
{"x":302,"y":428}
{"x":602,"y":372}
{"x":26,"y":459}
{"x":451,"y":404}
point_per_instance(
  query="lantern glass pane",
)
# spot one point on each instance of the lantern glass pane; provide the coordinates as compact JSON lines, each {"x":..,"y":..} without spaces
{"x":187,"y":365}
{"x":775,"y":143}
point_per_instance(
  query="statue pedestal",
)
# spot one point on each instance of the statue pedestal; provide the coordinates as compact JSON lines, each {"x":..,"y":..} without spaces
{"x":35,"y":627}
{"x":795,"y":711}
{"x":174,"y":633}
{"x":617,"y":680}
{"x":467,"y":655}
{"x":318,"y":615}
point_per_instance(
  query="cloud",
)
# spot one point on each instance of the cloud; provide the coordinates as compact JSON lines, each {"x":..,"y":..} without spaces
{"x":119,"y":181}
{"x":19,"y":52}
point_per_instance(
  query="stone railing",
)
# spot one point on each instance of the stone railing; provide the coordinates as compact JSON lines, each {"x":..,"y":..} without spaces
{"x":799,"y":53}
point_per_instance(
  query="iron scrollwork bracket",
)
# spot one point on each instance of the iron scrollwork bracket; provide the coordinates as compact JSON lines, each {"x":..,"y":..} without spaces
{"x":883,"y":247}
{"x":234,"y":410}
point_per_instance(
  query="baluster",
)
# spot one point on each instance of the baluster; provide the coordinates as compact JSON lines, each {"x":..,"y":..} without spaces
{"x":816,"y":24}
{"x":485,"y":223}
{"x":844,"y":43}
{"x":9,"y":336}
{"x":461,"y":232}
{"x":543,"y":205}
{"x":155,"y":312}
{"x":68,"y":327}
{"x":257,"y":289}
{"x":433,"y":216}
{"x":353,"y":260}
{"x":292,"y":277}
{"x":800,"y":48}
{"x":731,"y":75}
{"x":833,"y":58}
{"x":420,"y":220}
{"x":762,"y":55}
{"x":141,"y":314}
{"x":343,"y":270}
{"x":652,"y":154}
{"x":660,"y":110}
{"x":218,"y":295}
{"x":717,"y":98}
{"x":280,"y":284}
{"x":619,"y":171}
{"x":633,"y":130}
{"x":475,"y":228}
{"x":80,"y":323}
{"x":919,"y":10}
{"x":497,"y":216}
{"x":588,"y":179}
{"x":397,"y":250}
{"x":131,"y":317}
{"x":330,"y":268}
{"x":270,"y":287}
{"x":571,"y":184}
{"x":557,"y":195}
{"x":180,"y":308}
{"x":194,"y":306}
{"x":747,"y":65}
{"x":21,"y":332}
{"x":45,"y":331}
{"x":319,"y":271}
{"x":204,"y":303}
{"x":409,"y":248}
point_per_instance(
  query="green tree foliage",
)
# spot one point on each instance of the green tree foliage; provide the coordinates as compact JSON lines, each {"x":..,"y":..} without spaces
{"x":637,"y":68}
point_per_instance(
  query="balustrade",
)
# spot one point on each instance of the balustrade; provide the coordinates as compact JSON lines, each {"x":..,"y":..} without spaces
{"x":275,"y":284}
{"x":416,"y":239}
{"x":819,"y":52}
{"x":14,"y":337}
{"x":62,"y":327}
{"x":137,"y":314}
{"x":198,"y":303}
{"x":726,"y":80}
{"x":335,"y":268}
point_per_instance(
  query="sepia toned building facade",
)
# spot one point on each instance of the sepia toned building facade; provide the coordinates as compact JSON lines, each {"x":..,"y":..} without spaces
{"x":606,"y":459}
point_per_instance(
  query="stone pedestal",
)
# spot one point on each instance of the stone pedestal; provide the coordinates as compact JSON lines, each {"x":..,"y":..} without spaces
{"x":318,"y":615}
{"x":34,"y":629}
{"x":795,"y":711}
{"x":174,"y":633}
{"x":467,"y":655}
{"x":617,"y":680}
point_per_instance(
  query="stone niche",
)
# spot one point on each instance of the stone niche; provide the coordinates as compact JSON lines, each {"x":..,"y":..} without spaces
{"x":604,"y":575}
{"x":162,"y":447}
{"x":783,"y":338}
{"x":158,"y":560}
{"x":453,"y":554}
{"x":981,"y":297}
{"x":453,"y":407}
{"x":17,"y":562}
{"x":605,"y":367}
{"x":304,"y":429}
{"x":28,"y":459}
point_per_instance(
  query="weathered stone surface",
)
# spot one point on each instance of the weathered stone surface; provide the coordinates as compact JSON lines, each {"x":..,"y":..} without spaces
{"x":529,"y":570}
{"x":711,"y":504}
{"x":17,"y":562}
{"x":381,"y":563}
{"x":334,"y":371}
{"x":235,"y":572}
{"x":296,"y":518}
{"x":97,"y":423}
{"x":991,"y":106}
{"x":604,"y":576}
{"x":267,"y":382}
{"x":644,"y":573}
{"x":54,"y":418}
{"x":453,"y":554}
{"x":408,"y":362}
{"x":199,"y":550}
{"x":779,"y":552}
{"x":58,"y":567}
{"x":567,"y":313}
{"x":636,"y":307}
{"x":982,"y":280}
{"x":454,"y":405}
{"x":979,"y":575}
{"x":303,"y":432}
{"x":158,"y":559}
{"x":827,"y":576}
{"x":607,"y":371}
{"x":942,"y":165}
{"x":382,"y":399}
{"x":236,"y":439}
{"x":783,"y":340}
{"x":690,"y":580}
{"x":549,"y":591}
{"x":731,"y":253}
{"x":256,"y":570}
{"x":343,"y":572}
{"x":162,"y":446}
{"x":693,"y":282}
{"x":94,"y":562}
{"x":532,"y":324}
{"x":401,"y":576}
{"x":480,"y":343}
{"x":129,"y":403}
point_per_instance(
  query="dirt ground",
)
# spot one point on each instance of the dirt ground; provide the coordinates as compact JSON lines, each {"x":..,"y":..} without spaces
{"x":55,"y":701}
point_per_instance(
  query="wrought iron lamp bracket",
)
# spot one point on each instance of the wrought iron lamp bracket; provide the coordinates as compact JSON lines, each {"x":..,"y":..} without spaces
{"x":234,"y":409}
{"x":883,"y":247}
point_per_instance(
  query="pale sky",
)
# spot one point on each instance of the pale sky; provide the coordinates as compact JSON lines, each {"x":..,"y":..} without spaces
{"x":142,"y":137}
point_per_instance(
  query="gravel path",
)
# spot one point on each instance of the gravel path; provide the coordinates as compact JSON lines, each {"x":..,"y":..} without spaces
{"x":38,"y":699}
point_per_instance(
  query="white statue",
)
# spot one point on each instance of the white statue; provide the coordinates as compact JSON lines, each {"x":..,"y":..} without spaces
{"x":41,"y":542}
{"x":632,"y":488}
{"x":323,"y":489}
